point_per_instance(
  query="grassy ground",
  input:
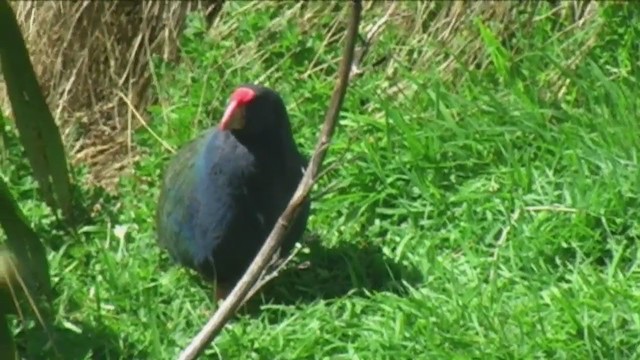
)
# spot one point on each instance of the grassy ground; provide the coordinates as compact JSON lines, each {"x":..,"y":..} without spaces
{"x":485,"y":211}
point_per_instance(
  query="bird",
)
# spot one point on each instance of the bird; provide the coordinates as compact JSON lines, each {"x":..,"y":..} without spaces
{"x":223,"y":192}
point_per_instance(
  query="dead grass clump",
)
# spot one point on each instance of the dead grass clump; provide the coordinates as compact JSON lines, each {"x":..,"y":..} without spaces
{"x":88,"y":57}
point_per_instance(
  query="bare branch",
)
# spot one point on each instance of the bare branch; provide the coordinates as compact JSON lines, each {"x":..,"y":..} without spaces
{"x":237,"y":296}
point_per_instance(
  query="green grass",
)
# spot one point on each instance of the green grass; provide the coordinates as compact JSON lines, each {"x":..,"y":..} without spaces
{"x":490,"y":214}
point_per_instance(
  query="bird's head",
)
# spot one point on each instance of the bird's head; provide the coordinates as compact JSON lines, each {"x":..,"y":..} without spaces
{"x":253,"y":109}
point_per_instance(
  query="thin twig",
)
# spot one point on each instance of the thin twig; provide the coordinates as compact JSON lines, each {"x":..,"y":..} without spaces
{"x":512,"y":221}
{"x":277,"y":265}
{"x":264,"y":279}
{"x":356,"y":66}
{"x":237,"y":296}
{"x":550,"y":208}
{"x":502,"y":241}
{"x":144,"y":123}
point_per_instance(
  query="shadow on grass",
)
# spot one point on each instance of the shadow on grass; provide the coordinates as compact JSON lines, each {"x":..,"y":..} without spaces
{"x":87,"y":342}
{"x":326,"y":273}
{"x":612,"y":241}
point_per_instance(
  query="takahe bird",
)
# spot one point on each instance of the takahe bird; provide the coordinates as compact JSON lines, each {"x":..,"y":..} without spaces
{"x":223,"y":192}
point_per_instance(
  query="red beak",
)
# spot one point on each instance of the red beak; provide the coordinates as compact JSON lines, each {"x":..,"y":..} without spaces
{"x":227,"y":118}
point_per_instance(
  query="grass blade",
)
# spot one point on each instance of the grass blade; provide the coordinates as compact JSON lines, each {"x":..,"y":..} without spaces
{"x":37,"y":130}
{"x":7,"y":305}
{"x":24,"y":243}
{"x":3,"y":142}
{"x":7,"y":347}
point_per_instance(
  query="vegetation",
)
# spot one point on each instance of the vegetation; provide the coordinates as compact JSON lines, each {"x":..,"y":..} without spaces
{"x":24,"y":268}
{"x":480,"y":199}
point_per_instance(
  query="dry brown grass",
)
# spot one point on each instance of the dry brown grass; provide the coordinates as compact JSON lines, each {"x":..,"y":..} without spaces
{"x":85,"y":54}
{"x":93,"y":65}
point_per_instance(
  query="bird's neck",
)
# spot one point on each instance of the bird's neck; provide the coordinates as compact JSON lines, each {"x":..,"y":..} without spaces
{"x":262,"y":147}
{"x":250,"y":141}
{"x":267,"y":149}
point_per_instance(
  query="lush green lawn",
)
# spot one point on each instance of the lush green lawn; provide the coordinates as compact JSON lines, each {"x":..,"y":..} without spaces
{"x":483,"y":209}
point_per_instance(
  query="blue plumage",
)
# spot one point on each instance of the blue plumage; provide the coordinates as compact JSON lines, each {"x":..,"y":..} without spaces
{"x":223,"y":192}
